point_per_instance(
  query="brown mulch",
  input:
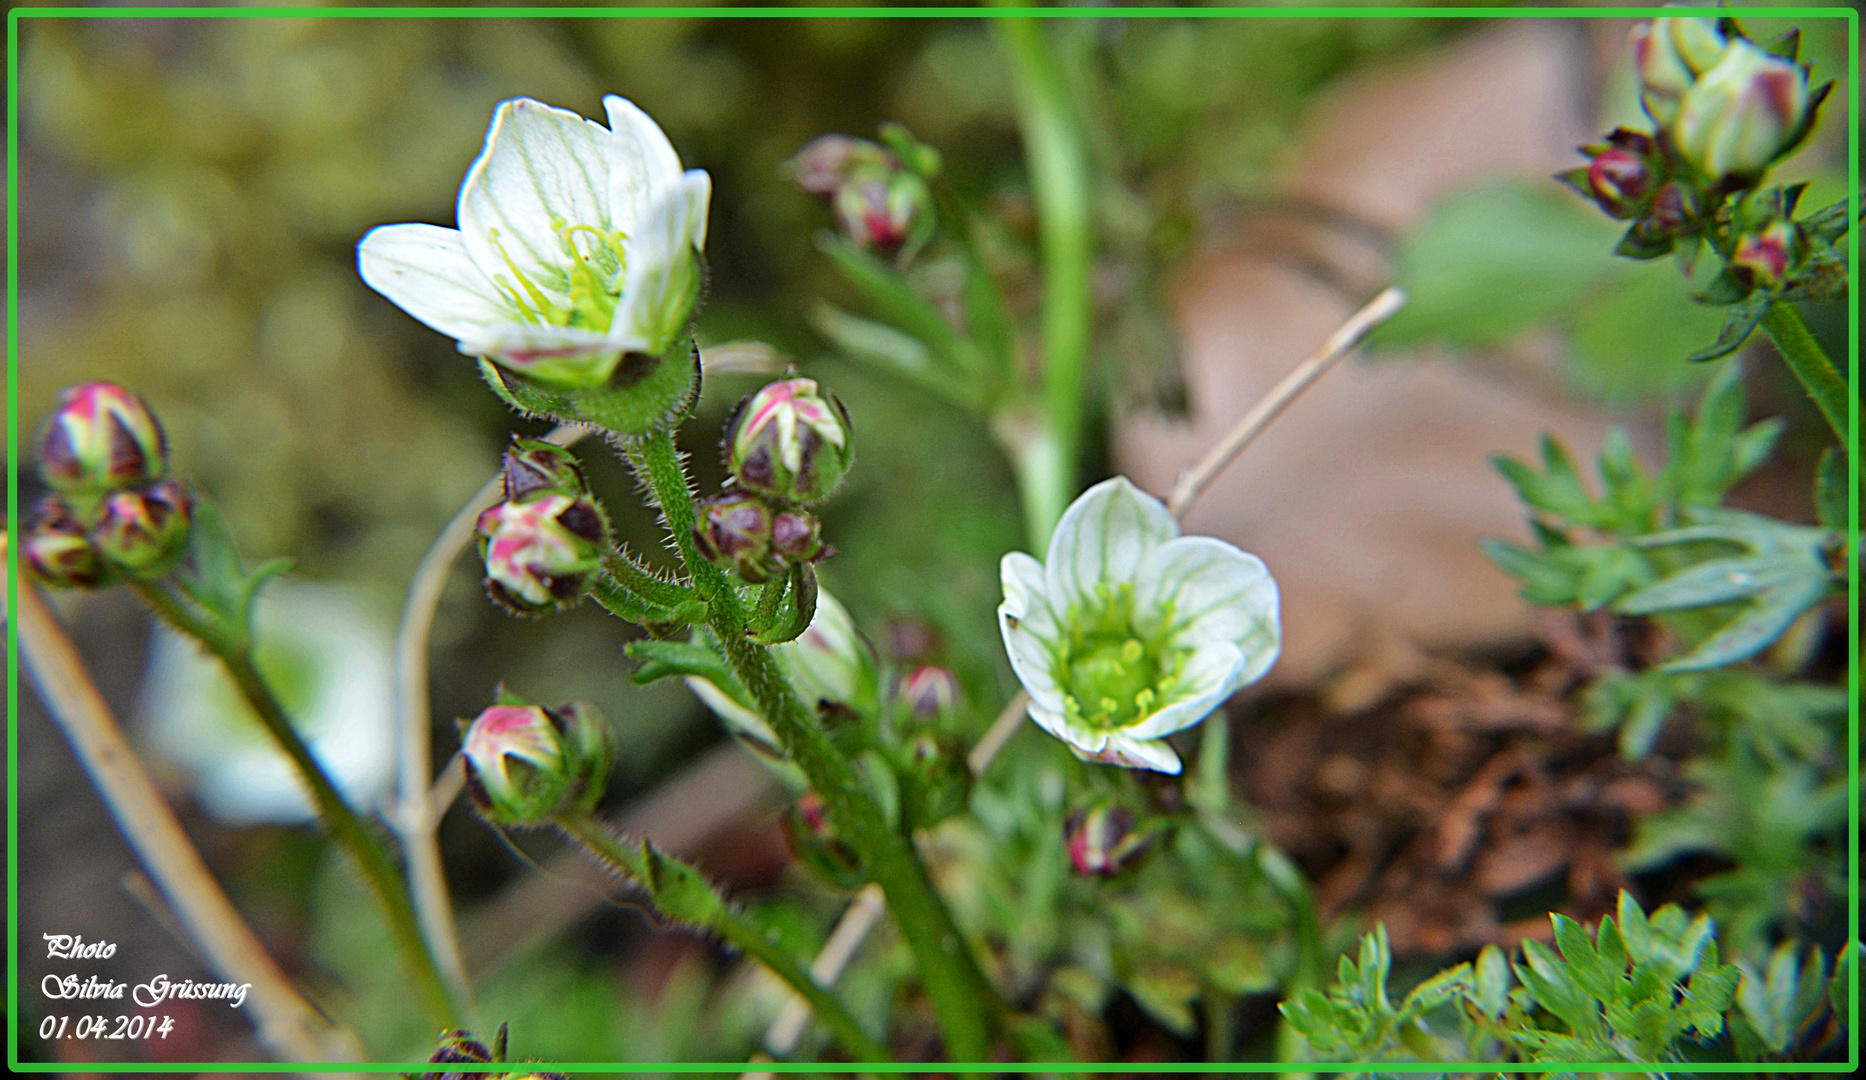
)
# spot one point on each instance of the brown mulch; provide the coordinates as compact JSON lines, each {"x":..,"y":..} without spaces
{"x":1454,"y":800}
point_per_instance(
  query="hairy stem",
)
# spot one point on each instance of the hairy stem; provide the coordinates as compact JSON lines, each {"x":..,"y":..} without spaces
{"x":1059,"y":179}
{"x":967,"y":1004}
{"x":338,"y":817}
{"x":627,"y":862}
{"x":1810,"y":363}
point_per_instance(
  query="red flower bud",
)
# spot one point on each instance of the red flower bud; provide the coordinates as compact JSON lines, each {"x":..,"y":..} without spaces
{"x":733,"y":531}
{"x":1761,"y":259}
{"x":1103,"y":840}
{"x":929,"y":691}
{"x":102,"y":438}
{"x":59,"y":548}
{"x":1620,"y":181}
{"x":143,"y":532}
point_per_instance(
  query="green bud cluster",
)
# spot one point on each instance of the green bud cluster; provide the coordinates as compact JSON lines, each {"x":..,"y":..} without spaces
{"x":1724,"y":109}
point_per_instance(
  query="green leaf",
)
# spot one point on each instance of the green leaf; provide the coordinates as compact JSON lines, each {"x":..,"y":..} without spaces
{"x":214,"y":577}
{"x":1490,"y":986}
{"x":891,"y":350}
{"x":1827,"y":224}
{"x":1555,"y":989}
{"x":1738,"y":324}
{"x":662,"y":659}
{"x":1628,"y":339}
{"x":679,"y":891}
{"x":1490,"y":264}
{"x":796,"y":610}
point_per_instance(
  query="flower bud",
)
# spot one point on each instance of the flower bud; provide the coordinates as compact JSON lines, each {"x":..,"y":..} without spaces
{"x":1742,"y":114}
{"x":459,"y":1046}
{"x":143,"y":532}
{"x":525,"y":764}
{"x":878,"y":202}
{"x":881,"y":212}
{"x":540,"y":553}
{"x":790,"y":441}
{"x":929,"y":691}
{"x":797,"y":537}
{"x":1761,"y":259}
{"x":532,"y":467}
{"x":1674,"y":211}
{"x":814,"y":842}
{"x":102,"y":438}
{"x":1619,"y":181}
{"x":59,"y":548}
{"x":1103,"y":840}
{"x":733,"y":531}
{"x":824,"y":162}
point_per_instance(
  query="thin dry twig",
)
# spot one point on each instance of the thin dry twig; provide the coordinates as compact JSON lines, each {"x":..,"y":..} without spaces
{"x":998,"y":734}
{"x":288,"y":1025}
{"x":1337,"y":345}
{"x":417,"y":813}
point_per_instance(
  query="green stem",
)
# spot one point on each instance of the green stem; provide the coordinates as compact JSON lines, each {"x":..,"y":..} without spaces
{"x":342,"y":821}
{"x":967,"y":1004}
{"x":1810,"y":363}
{"x":1059,"y":180}
{"x":627,"y":861}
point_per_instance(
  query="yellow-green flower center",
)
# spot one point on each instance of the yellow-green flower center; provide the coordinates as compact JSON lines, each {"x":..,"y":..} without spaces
{"x":1112,"y":674}
{"x":591,"y":280}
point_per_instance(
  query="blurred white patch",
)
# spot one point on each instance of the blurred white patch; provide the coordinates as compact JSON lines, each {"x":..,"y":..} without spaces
{"x":328,"y":658}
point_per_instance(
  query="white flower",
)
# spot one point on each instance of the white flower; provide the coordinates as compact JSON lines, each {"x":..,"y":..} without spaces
{"x":577,"y":244}
{"x":1131,"y":631}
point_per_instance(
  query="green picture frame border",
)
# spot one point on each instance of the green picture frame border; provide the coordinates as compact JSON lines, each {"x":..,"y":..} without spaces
{"x":18,"y":15}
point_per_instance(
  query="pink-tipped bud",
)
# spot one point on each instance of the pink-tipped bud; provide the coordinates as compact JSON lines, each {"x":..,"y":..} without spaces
{"x":1742,"y":114}
{"x":1103,"y":839}
{"x":525,"y":764}
{"x":790,"y":441}
{"x":143,"y":532}
{"x":1619,"y":181}
{"x":879,"y":202}
{"x":733,"y":531}
{"x":102,"y":438}
{"x":59,"y":548}
{"x":1762,"y":258}
{"x":539,"y":553}
{"x":929,"y":691}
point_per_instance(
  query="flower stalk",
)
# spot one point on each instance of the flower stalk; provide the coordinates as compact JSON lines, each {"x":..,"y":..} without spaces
{"x":345,"y":826}
{"x":1809,"y":362}
{"x":966,"y":1002}
{"x":1059,"y":179}
{"x":644,"y":866}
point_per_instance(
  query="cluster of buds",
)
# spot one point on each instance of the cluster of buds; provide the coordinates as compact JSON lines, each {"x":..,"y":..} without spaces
{"x":526,"y":764}
{"x":112,"y":512}
{"x":788,"y":447}
{"x":1724,"y":109}
{"x":458,"y":1046}
{"x":1104,"y":839}
{"x":881,"y":202}
{"x":544,"y":541}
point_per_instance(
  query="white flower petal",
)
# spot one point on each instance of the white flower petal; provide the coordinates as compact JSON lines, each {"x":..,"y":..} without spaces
{"x":1080,"y":739}
{"x":559,"y":354}
{"x":662,"y":274}
{"x":542,"y":168}
{"x":1025,"y":598}
{"x":1215,"y":591}
{"x":643,"y":166}
{"x":745,"y":721}
{"x":1135,"y":754}
{"x":1103,"y":538}
{"x":1205,"y":680}
{"x":425,"y":271}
